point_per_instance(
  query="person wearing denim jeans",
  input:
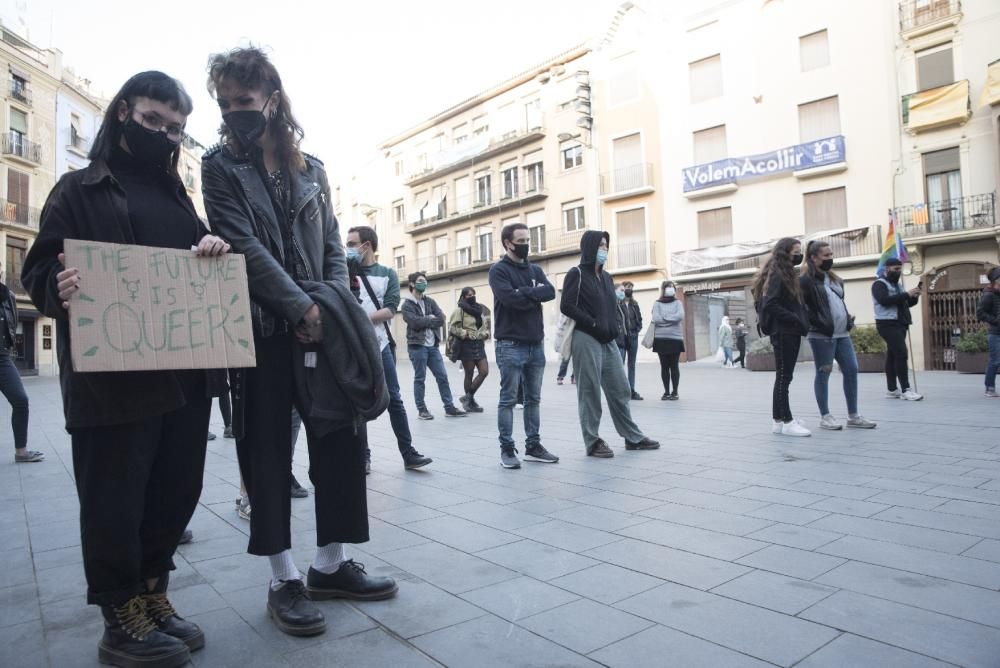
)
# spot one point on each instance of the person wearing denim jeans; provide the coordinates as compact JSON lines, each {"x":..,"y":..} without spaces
{"x":634,"y":326}
{"x":988,"y":311}
{"x":829,"y":327}
{"x":10,"y":380}
{"x":519,"y":289}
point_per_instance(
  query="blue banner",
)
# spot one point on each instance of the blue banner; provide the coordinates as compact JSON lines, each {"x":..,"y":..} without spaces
{"x":817,"y":153}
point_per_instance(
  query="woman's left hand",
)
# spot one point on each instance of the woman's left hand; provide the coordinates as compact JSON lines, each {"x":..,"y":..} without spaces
{"x":212,"y":246}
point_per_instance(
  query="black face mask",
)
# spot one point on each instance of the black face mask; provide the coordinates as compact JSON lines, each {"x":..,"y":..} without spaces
{"x":521,"y":251}
{"x":471,"y":301}
{"x":628,"y":293}
{"x":148,"y":146}
{"x":247,"y":125}
{"x":826,"y":265}
{"x":797,"y":259}
{"x":892,"y":276}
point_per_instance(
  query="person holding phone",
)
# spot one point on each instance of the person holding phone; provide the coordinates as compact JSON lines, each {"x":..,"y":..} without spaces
{"x":892,"y":303}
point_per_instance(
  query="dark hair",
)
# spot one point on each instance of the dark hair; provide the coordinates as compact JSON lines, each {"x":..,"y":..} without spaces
{"x":739,"y":321}
{"x":250,"y":68}
{"x":628,"y":283}
{"x":412,"y":278}
{"x":152,"y":84}
{"x":465,"y":293}
{"x":665,"y":284}
{"x":894,"y":262}
{"x":507,"y":233}
{"x":367,"y":235}
{"x":812,"y":250}
{"x":778,"y":267}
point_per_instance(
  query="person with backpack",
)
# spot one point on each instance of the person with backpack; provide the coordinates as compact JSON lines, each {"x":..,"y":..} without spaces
{"x":988,"y":311}
{"x":782,"y":316}
{"x":829,"y":334}
{"x":470,"y":325}
{"x":892,"y":303}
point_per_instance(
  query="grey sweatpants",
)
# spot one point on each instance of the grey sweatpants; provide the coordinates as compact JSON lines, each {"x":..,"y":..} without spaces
{"x":599,"y":366}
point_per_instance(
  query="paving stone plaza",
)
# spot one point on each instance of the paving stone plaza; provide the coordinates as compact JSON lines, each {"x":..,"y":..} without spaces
{"x":728,"y":546}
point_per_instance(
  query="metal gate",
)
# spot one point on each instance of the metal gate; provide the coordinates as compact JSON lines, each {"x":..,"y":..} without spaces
{"x":951,"y":314}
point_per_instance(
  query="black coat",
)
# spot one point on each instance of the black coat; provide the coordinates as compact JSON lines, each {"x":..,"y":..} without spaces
{"x":90,"y":204}
{"x":817,"y":303}
{"x":8,"y":306}
{"x":588,"y":295}
{"x":988,"y":309}
{"x":783,"y":312}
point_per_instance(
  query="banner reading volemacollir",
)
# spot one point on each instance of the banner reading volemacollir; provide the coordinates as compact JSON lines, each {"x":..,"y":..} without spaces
{"x":143,"y":308}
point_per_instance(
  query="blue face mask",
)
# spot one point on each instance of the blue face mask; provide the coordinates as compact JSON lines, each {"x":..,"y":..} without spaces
{"x":353,"y":255}
{"x":602,"y":256}
{"x":620,"y":295}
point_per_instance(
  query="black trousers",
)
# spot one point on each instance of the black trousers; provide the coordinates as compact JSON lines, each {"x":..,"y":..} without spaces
{"x":786,"y":353}
{"x":896,"y":357}
{"x":226,"y":408}
{"x":336,"y":461}
{"x":138,"y":485}
{"x":741,"y":345}
{"x":670,"y":371}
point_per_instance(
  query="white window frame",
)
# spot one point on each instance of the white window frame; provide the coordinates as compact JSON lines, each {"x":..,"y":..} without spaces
{"x":645,"y":220}
{"x":399,"y":257}
{"x":483,"y":196}
{"x":399,"y":211}
{"x":513,"y":193}
{"x":577,"y":161}
{"x":534,"y":171}
{"x":576,"y":211}
{"x":484,"y":231}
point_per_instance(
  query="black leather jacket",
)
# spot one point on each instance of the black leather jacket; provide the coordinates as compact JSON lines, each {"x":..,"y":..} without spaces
{"x":9,"y":307}
{"x":817,"y":305}
{"x":240,"y":210}
{"x":988,"y":309}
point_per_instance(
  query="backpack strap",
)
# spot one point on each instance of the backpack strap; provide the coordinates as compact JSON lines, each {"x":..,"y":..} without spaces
{"x":378,"y":305}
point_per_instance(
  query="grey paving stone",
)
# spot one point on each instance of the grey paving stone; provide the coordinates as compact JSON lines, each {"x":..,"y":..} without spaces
{"x":667,"y":563}
{"x":761,"y":633}
{"x":419,"y":608}
{"x":567,"y":536}
{"x":833,"y":489}
{"x":370,"y":648}
{"x":772,"y":495}
{"x":14,"y":534}
{"x":196,"y":599}
{"x":53,"y":535}
{"x":850,"y":651}
{"x":727,"y":504}
{"x":951,"y":598}
{"x":448,"y":568}
{"x":597,"y":518}
{"x":616,"y":501}
{"x":205,"y":547}
{"x":703,"y":518}
{"x":787,"y":514}
{"x":505,"y":518}
{"x":984,"y":549}
{"x":62,"y":582}
{"x":695,"y":482}
{"x":607,"y":583}
{"x":537,"y":560}
{"x":975,"y":526}
{"x":966,"y":494}
{"x":235,"y":572}
{"x":775,"y":592}
{"x":985,"y":511}
{"x":19,"y":604}
{"x":920,"y":631}
{"x":584,"y":625}
{"x":412,"y":513}
{"x":490,"y":642}
{"x":692,"y":539}
{"x":892,"y":532}
{"x":230,"y":641}
{"x":17,"y":567}
{"x":907,"y":500}
{"x":494,"y":493}
{"x":386,"y":537}
{"x":461,"y":534}
{"x":898,"y":485}
{"x":517,"y":599}
{"x":938,"y":479}
{"x":658,"y":646}
{"x":791,"y":535}
{"x":791,"y":561}
{"x":850,"y":506}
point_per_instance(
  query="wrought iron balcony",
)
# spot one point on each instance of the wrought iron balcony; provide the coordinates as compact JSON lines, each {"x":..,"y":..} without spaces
{"x":975,"y":212}
{"x":19,"y":214}
{"x":475,"y":204}
{"x":16,"y":145}
{"x":20,"y":90}
{"x":78,"y":142}
{"x":915,"y":15}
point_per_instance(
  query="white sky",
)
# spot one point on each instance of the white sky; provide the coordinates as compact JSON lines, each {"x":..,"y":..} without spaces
{"x":356,"y":72}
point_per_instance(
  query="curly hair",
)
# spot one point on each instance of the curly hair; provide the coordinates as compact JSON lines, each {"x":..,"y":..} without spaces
{"x":251,"y":69}
{"x":779,"y":267}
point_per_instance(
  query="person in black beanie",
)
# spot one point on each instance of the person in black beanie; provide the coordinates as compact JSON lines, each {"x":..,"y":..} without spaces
{"x":892,"y":303}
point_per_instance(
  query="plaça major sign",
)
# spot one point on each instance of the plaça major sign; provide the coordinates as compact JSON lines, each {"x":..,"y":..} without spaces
{"x":817,"y":153}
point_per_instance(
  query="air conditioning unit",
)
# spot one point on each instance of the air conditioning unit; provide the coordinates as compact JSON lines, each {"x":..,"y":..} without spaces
{"x":585,"y":122}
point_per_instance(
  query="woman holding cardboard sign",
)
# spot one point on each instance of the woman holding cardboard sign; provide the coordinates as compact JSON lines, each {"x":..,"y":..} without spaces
{"x":138,"y":436}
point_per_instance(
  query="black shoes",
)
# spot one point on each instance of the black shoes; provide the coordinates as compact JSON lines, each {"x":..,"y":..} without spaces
{"x":424,"y":414}
{"x":186,"y":537}
{"x":470,"y":405}
{"x":451,"y":411}
{"x":636,"y":396}
{"x":211,"y":436}
{"x":350,"y":581}
{"x":538,"y":453}
{"x":292,"y":611}
{"x":162,"y":613}
{"x":415,"y":460}
{"x":645,"y":444}
{"x":600,"y":449}
{"x":228,"y":433}
{"x":132,"y":640}
{"x":298,"y":491}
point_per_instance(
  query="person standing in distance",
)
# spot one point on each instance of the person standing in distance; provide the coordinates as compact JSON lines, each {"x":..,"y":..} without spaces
{"x":892,"y":303}
{"x":519,"y":290}
{"x":988,"y":311}
{"x":633,"y":325}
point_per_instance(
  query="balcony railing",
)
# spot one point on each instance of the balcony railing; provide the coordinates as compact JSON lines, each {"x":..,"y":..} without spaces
{"x":975,"y":212}
{"x":626,"y":179}
{"x":15,"y":144}
{"x":632,"y":254}
{"x":19,"y":214}
{"x":937,"y":107}
{"x":919,"y":13}
{"x":475,"y":203}
{"x":77,"y":141}
{"x":20,"y":91}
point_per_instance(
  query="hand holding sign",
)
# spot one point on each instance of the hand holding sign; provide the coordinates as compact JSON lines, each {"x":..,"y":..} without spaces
{"x":68,"y":281}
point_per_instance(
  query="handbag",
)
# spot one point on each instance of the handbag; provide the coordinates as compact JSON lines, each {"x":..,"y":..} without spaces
{"x":649,"y":336}
{"x":564,"y":330}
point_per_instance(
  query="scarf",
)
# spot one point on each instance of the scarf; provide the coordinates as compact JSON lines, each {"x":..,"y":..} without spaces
{"x":475,"y":310}
{"x":666,"y":300}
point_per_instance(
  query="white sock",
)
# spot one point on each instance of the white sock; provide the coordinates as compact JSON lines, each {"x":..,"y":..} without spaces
{"x":283,"y":568}
{"x":329,"y":558}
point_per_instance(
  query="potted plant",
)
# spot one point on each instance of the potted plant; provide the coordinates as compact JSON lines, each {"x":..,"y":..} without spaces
{"x":972,"y":352}
{"x":760,"y":355}
{"x":869,"y":348}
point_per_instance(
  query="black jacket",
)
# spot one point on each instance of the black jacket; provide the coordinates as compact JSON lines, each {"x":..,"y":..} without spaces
{"x":240,"y":210}
{"x":417,"y":323}
{"x":988,"y":309}
{"x":8,"y":308}
{"x":519,"y":289}
{"x":817,"y":303}
{"x":621,"y":316}
{"x":90,"y":204}
{"x":903,"y":301}
{"x":588,"y":295}
{"x":633,"y":316}
{"x":782,"y":312}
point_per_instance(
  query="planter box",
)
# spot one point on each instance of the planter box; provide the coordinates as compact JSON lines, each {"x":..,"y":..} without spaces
{"x":871,"y":362}
{"x":761,"y":362}
{"x":971,"y":362}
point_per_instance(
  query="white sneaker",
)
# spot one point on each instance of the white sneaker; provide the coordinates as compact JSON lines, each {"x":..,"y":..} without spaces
{"x":859,"y":422}
{"x":794,"y":429}
{"x":910,"y":395}
{"x":776,"y":426}
{"x":831,"y":423}
{"x":893,"y":394}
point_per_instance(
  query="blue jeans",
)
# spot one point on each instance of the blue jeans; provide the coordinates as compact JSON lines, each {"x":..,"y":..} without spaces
{"x":521,"y":364}
{"x":824,"y":352}
{"x":727,"y":354}
{"x":633,"y":351}
{"x":994,"y":363}
{"x":423,"y":357}
{"x":623,"y":352}
{"x":13,"y":389}
{"x":397,"y":411}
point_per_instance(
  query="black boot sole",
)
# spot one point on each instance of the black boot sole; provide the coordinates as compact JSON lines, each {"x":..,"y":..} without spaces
{"x":328,"y":594}
{"x":418,"y":465}
{"x":195,"y":642}
{"x":293,"y":630}
{"x":111,"y":657}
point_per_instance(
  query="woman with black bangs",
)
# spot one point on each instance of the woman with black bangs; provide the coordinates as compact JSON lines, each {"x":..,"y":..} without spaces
{"x":470,"y":325}
{"x":138,"y":437}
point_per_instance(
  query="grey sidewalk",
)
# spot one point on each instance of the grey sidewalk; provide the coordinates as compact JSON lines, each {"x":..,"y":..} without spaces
{"x":727,"y":547}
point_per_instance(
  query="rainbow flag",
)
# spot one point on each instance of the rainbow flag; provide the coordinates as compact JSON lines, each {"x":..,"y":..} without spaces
{"x":893,"y":246}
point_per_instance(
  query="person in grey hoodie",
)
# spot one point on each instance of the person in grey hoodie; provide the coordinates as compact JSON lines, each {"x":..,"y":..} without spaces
{"x":668,"y":338}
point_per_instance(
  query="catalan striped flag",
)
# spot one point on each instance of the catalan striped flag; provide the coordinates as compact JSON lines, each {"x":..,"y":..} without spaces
{"x":919,"y":214}
{"x":893,"y":246}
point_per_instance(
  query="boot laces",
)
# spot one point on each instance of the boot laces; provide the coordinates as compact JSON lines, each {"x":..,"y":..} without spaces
{"x":133,"y":619}
{"x":158,"y":607}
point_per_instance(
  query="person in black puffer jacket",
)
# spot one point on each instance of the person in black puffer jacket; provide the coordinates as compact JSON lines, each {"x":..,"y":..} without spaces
{"x":988,"y":311}
{"x":588,"y":297}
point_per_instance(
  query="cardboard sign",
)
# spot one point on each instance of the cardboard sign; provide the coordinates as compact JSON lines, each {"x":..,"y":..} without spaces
{"x":143,"y":308}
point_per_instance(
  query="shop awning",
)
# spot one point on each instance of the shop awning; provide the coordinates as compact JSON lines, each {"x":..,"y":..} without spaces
{"x":991,"y":89}
{"x":939,"y":106}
